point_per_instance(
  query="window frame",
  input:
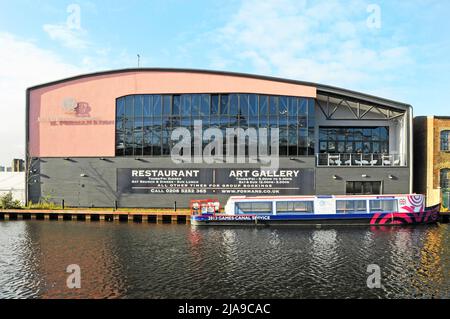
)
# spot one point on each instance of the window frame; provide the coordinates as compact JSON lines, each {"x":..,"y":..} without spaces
{"x":293,"y":211}
{"x":353,"y":210}
{"x":383,"y":210}
{"x":445,"y":141}
{"x":445,"y":185}
{"x":354,"y":138}
{"x":239,"y":211}
{"x":172,"y":110}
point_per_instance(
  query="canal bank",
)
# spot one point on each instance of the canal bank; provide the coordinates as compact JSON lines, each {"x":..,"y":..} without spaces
{"x":166,"y":217}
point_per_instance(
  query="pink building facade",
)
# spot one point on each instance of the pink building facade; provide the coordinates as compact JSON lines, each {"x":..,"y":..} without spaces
{"x":59,"y":131}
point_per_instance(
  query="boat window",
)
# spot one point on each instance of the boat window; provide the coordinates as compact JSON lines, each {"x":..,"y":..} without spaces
{"x":383,"y":205}
{"x":351,"y":206}
{"x":254,"y":208}
{"x":295,"y":207}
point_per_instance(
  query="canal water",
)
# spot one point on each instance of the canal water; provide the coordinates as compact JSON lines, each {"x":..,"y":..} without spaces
{"x":180,"y":261}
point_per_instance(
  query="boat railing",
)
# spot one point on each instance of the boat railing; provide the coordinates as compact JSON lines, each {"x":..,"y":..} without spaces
{"x":360,"y":159}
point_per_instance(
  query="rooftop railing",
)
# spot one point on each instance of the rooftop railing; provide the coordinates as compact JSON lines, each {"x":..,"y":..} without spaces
{"x":360,"y":159}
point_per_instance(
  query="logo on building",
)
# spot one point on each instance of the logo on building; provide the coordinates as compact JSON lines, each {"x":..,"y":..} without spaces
{"x":78,"y":113}
{"x":79,"y":109}
{"x":70,"y":105}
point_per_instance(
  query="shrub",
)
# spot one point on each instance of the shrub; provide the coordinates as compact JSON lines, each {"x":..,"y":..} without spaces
{"x":8,"y":202}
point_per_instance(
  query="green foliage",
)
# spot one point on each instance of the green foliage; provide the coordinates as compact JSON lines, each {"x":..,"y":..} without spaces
{"x":8,"y":202}
{"x":45,"y":203}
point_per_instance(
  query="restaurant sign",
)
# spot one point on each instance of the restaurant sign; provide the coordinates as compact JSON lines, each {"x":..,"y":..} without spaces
{"x":218,"y":181}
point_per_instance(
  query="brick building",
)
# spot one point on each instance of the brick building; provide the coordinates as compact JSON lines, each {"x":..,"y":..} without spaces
{"x":432,"y":158}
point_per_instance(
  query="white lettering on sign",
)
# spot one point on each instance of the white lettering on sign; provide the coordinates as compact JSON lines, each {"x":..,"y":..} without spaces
{"x":164,"y":173}
{"x":264,"y":173}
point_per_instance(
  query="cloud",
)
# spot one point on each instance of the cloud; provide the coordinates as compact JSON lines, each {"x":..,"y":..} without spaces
{"x":23,"y":64}
{"x":322,"y":41}
{"x":70,"y":33}
{"x":72,"y":38}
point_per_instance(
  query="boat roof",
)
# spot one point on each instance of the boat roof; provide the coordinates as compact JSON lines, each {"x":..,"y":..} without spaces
{"x":319,"y":196}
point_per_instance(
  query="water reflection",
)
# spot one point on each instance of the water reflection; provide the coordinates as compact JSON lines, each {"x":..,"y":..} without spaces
{"x":19,"y":262}
{"x":324,"y":248}
{"x":178,"y":261}
{"x":433,"y":269}
{"x":91,"y":246}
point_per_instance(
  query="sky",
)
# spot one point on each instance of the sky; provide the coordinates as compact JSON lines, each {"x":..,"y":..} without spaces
{"x":395,"y":49}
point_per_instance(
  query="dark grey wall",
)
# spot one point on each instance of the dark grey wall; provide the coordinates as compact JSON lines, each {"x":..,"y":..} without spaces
{"x":420,"y":154}
{"x":61,"y":179}
{"x":327,"y":185}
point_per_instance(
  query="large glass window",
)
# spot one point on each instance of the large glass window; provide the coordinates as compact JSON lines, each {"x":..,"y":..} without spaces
{"x":351,"y":206}
{"x":361,"y":140}
{"x":254,"y":208}
{"x":383,"y":206}
{"x":295,"y":207}
{"x":445,"y":141}
{"x":144,"y":122}
{"x":445,"y":179}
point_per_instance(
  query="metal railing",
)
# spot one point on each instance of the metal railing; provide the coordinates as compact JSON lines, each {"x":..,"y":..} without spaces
{"x":360,"y":159}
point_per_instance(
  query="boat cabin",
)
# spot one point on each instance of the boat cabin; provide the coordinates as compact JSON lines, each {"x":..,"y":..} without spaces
{"x":289,"y":205}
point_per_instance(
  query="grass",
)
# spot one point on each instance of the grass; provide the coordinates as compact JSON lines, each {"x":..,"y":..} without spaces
{"x":8,"y":203}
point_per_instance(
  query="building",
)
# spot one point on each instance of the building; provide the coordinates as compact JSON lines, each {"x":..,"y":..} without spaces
{"x":14,"y":183}
{"x":432,"y":158}
{"x":18,"y":165}
{"x":104,"y":139}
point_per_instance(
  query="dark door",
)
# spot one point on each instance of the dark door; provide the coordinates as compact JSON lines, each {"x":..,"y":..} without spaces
{"x":363,"y":188}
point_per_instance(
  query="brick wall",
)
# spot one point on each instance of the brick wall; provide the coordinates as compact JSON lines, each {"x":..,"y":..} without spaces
{"x":441,"y":159}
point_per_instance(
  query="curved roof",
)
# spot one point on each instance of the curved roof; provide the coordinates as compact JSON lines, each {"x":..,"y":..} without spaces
{"x":321,"y":88}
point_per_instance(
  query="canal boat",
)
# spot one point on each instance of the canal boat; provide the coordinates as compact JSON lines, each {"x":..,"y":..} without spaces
{"x":372,"y":210}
